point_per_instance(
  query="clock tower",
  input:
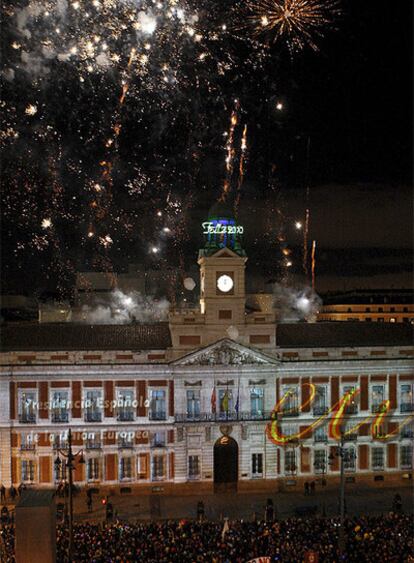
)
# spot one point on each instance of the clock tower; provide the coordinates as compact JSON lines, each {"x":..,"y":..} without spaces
{"x":222,"y":312}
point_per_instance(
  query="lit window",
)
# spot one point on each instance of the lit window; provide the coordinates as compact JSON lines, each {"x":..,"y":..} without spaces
{"x":193,"y":467}
{"x":257,"y":465}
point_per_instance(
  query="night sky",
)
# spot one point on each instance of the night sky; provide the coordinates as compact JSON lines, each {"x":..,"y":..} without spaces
{"x":71,"y":201}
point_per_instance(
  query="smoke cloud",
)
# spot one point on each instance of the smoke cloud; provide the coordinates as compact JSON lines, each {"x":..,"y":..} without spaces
{"x":295,"y":304}
{"x":124,"y":308}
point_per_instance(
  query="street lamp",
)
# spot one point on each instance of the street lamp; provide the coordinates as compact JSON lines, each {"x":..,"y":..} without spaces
{"x":71,"y":458}
{"x":345,"y":455}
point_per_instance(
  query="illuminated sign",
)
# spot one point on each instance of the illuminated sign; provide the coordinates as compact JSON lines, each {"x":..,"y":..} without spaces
{"x":338,"y":410}
{"x":210,"y":227}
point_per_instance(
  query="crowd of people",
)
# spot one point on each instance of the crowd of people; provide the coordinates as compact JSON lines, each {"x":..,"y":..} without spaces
{"x":387,"y":538}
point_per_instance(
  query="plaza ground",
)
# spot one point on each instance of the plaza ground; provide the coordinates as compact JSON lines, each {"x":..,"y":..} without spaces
{"x":148,"y":505}
{"x":180,"y":503}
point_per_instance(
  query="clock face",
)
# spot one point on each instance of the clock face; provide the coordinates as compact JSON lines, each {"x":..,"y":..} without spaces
{"x":225,"y":283}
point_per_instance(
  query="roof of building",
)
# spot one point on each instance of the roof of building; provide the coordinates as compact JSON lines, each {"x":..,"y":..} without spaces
{"x":68,"y":336}
{"x":369,"y":297}
{"x":343,"y":334}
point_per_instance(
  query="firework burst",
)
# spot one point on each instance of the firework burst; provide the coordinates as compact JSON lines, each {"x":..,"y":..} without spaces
{"x":298,"y":22}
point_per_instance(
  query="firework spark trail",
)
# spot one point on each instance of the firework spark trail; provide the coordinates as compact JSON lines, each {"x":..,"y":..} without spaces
{"x":242,"y":164}
{"x":230,"y":151}
{"x":305,"y":243}
{"x":101,"y":206}
{"x":298,"y":22}
{"x":313,"y":263}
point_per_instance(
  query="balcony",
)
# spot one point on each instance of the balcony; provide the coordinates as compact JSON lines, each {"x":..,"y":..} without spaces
{"x":378,"y":466}
{"x":320,"y":410}
{"x":351,"y":409}
{"x":60,"y":416}
{"x":60,"y":446}
{"x":27,"y":418}
{"x":351,"y":437}
{"x":125,"y":444}
{"x":320,"y":468}
{"x":221,"y":416}
{"x":290,"y":412}
{"x":93,"y":416}
{"x":27,"y":447}
{"x":126,"y":416}
{"x":157,"y":443}
{"x":378,"y":408}
{"x":157,"y":415}
{"x":92,"y":445}
{"x":407,"y":407}
{"x":321,"y":439}
{"x":406,"y":433}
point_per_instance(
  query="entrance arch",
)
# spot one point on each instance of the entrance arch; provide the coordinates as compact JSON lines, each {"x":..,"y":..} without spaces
{"x":226,"y":463}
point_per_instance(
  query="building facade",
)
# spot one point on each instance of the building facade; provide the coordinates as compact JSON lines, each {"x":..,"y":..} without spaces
{"x":217,"y":396}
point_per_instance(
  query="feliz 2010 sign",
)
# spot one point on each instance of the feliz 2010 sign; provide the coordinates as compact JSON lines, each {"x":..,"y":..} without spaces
{"x":210,"y":228}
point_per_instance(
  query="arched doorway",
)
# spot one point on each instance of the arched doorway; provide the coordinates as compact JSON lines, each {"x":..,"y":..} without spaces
{"x":226,"y":464}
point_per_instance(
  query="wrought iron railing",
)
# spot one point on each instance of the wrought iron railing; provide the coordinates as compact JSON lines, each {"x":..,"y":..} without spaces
{"x":222,"y":416}
{"x":126,"y":416}
{"x":60,"y":416}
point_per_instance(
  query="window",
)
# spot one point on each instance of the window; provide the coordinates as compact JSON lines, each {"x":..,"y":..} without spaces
{"x":407,"y":431}
{"x":60,"y":441}
{"x":193,"y":403}
{"x":28,"y":470}
{"x":60,"y":471}
{"x":125,"y":439}
{"x":28,"y":442}
{"x":392,"y":319}
{"x":380,"y":310}
{"x":368,"y":319}
{"x":320,"y":400}
{"x":157,"y":408}
{"x":157,"y":439}
{"x":377,"y":458}
{"x":125,"y":468}
{"x":377,"y":397}
{"x":257,"y":465}
{"x":349,"y":459}
{"x":290,"y":405}
{"x":406,"y":397}
{"x":125,"y":405}
{"x":92,"y":469}
{"x":290,"y":462}
{"x":379,"y":431}
{"x":352,"y":405}
{"x":289,"y":430}
{"x":392,"y":309}
{"x":93,"y":405}
{"x":193,"y":467}
{"x":320,"y":461}
{"x":368,"y":310}
{"x":27,"y":407}
{"x":256,"y":401}
{"x":60,"y":406}
{"x":224,"y":314}
{"x":406,"y":457}
{"x":349,"y":430}
{"x":225,"y":397}
{"x":142,"y":466}
{"x":321,"y":434}
{"x":158,"y":467}
{"x":93,"y":441}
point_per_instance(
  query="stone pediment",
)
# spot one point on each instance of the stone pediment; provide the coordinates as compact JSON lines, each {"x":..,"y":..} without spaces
{"x":225,"y":352}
